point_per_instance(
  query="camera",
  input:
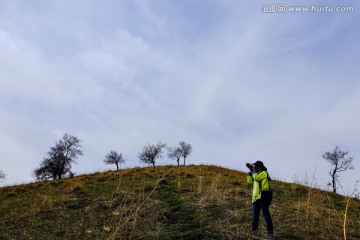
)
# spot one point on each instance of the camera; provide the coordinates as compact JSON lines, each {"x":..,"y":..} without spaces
{"x":249,"y":165}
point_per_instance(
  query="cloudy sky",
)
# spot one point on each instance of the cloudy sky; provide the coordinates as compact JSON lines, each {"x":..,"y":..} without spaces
{"x":237,"y":83}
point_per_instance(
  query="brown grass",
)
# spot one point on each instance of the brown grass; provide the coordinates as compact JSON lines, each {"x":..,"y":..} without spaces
{"x":182,"y":202}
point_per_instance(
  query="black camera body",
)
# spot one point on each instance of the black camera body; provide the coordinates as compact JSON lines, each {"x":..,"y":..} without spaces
{"x":249,"y":165}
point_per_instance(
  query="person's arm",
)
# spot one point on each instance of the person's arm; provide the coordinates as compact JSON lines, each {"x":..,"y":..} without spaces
{"x":259,"y":176}
{"x":249,"y":178}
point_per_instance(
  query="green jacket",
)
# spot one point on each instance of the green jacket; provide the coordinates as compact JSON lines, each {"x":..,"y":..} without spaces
{"x":257,"y":179}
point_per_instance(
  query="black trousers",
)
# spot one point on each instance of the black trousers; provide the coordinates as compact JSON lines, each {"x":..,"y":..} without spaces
{"x":256,"y":207}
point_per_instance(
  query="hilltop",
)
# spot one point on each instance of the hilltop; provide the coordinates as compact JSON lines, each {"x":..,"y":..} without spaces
{"x":182,"y":202}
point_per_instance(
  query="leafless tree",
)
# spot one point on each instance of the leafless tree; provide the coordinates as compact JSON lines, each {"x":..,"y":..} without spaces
{"x":151,"y":152}
{"x":340,"y":162}
{"x":2,"y":176}
{"x":186,"y":149}
{"x":175,"y":153}
{"x":59,"y":159}
{"x":114,"y":157}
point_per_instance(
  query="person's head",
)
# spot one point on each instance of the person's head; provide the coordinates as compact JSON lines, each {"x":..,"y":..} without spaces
{"x":259,"y":166}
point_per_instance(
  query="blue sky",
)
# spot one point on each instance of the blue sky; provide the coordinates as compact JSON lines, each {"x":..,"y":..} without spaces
{"x":238,"y":84}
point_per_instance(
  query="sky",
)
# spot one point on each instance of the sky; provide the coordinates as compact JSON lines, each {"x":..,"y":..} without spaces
{"x":237,"y":82}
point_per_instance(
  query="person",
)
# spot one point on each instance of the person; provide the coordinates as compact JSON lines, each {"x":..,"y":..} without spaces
{"x":258,"y":177}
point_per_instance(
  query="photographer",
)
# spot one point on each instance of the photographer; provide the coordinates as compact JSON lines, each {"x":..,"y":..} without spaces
{"x":259,"y":178}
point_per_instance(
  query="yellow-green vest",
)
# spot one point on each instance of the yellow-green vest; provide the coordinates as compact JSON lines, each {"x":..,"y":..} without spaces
{"x":256,"y":179}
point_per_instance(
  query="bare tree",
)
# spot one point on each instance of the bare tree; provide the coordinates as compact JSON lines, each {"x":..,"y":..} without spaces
{"x":175,"y":153}
{"x":186,"y":149}
{"x":48,"y":169}
{"x":2,"y":176}
{"x":114,"y":157}
{"x":150,"y":153}
{"x":59,"y":159}
{"x":340,"y":162}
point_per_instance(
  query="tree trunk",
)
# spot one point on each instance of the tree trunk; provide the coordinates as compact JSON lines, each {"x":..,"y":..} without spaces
{"x":334,"y":182}
{"x":117,"y":167}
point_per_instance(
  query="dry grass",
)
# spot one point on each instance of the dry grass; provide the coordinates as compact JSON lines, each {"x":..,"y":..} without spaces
{"x":185,"y":202}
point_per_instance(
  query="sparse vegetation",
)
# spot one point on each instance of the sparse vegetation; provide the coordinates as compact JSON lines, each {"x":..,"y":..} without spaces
{"x":2,"y":176}
{"x":183,"y":202}
{"x":151,"y":152}
{"x":113,"y":157}
{"x":60,"y":157}
{"x":186,"y":150}
{"x":340,"y":162}
{"x":183,"y":150}
{"x":175,"y":153}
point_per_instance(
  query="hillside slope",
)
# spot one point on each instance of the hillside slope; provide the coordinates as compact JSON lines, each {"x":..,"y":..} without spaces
{"x":186,"y":202}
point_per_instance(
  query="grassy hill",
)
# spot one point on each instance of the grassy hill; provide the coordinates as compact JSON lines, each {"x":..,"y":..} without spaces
{"x":186,"y":202}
